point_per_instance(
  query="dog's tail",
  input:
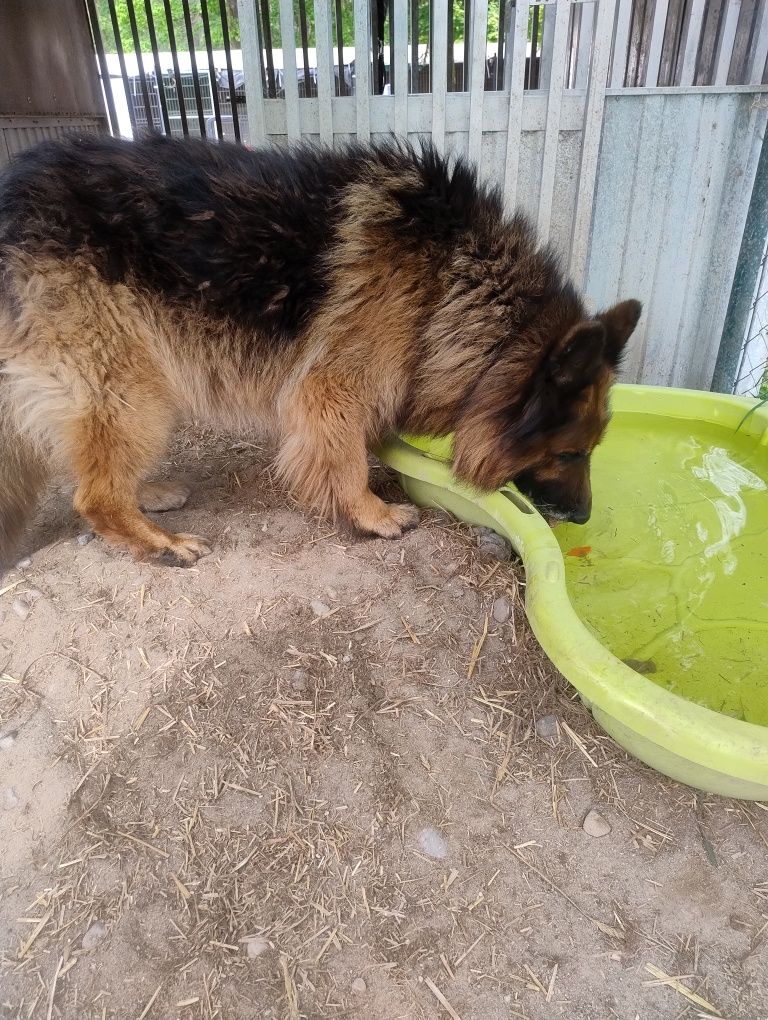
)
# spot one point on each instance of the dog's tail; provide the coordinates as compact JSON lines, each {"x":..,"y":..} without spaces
{"x":23,"y":472}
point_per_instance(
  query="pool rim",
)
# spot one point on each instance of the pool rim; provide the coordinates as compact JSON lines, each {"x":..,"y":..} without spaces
{"x":717,"y":743}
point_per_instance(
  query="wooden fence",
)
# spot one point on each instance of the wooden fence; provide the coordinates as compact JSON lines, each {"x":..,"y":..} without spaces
{"x":629,"y":130}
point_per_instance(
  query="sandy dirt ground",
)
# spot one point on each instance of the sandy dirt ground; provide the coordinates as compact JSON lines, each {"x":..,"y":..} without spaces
{"x":323,"y":776}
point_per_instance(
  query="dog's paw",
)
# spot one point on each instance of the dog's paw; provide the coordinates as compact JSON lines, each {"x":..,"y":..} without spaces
{"x":183,"y":551}
{"x":156,"y":497}
{"x":394,"y":519}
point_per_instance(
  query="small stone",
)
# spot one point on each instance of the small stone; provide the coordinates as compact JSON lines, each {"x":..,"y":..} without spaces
{"x":319,"y":608}
{"x":332,"y":594}
{"x":547,"y":728}
{"x":255,"y":945}
{"x":501,"y":610}
{"x":94,"y":935}
{"x":24,"y":564}
{"x":494,"y":547}
{"x":433,"y":844}
{"x":595,"y":825}
{"x":346,"y":658}
{"x":358,"y":985}
{"x":8,"y":740}
{"x":85,"y":538}
{"x":10,"y":799}
{"x":21,"y":608}
{"x":299,"y":679}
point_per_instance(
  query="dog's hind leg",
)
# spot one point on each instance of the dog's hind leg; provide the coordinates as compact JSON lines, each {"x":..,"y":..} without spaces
{"x":323,"y":458}
{"x":111,"y":449}
{"x":92,"y":384}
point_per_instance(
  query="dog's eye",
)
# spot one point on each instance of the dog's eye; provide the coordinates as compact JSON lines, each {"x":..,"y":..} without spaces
{"x":569,"y":458}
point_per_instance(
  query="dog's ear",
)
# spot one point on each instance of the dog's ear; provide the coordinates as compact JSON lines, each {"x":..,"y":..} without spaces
{"x":578,"y":357}
{"x":619,"y":322}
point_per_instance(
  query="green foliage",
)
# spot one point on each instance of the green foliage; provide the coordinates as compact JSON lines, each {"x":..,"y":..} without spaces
{"x":157,"y":9}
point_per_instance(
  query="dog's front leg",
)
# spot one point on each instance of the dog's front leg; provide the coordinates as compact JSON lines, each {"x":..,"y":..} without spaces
{"x":323,"y":457}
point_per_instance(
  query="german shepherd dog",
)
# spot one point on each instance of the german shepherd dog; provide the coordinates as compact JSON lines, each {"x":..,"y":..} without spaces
{"x":336,"y":297}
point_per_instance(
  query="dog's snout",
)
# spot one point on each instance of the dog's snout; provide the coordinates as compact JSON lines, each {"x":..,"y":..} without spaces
{"x":580,"y":515}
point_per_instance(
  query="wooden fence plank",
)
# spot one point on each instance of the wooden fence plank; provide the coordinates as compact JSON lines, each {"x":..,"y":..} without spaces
{"x":757,"y":66}
{"x":561,"y":12}
{"x":477,"y":78}
{"x":252,"y":72}
{"x":621,"y":43}
{"x":692,"y":37}
{"x":439,"y":70}
{"x":515,"y":121}
{"x":290,"y":75}
{"x":325,"y":72}
{"x":727,"y":40}
{"x":593,"y":126}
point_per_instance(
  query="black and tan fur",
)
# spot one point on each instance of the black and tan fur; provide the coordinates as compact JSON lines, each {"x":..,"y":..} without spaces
{"x":334,"y":297}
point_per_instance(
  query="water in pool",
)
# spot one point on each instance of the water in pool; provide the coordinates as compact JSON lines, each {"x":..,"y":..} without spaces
{"x":671,"y":572}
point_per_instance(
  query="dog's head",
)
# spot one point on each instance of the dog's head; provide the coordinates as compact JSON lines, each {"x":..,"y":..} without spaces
{"x":540,"y":431}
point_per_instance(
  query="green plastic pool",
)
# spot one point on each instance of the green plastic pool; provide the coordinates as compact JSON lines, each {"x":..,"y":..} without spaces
{"x":657,"y":609}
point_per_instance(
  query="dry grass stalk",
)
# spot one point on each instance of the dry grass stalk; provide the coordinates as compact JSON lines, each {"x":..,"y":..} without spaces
{"x":673,"y":982}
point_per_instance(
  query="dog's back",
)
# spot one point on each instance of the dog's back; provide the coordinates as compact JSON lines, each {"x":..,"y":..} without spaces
{"x":342,"y":295}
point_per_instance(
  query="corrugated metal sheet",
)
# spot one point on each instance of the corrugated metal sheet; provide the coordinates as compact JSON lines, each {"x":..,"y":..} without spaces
{"x":19,"y":133}
{"x":674,"y":181}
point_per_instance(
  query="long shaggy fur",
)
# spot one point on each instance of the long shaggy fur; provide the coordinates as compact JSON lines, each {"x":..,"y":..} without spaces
{"x":335,"y":297}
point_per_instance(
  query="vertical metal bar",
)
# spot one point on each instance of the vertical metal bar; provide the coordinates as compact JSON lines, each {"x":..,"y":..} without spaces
{"x":657,"y":43}
{"x":98,"y":44}
{"x":477,"y":80}
{"x":362,"y":68}
{"x":176,"y":69}
{"x":515,"y":118}
{"x":253,"y":69}
{"x":230,"y":70}
{"x":621,"y":43}
{"x":534,"y":67}
{"x":211,"y":69}
{"x":439,"y":71}
{"x":325,"y":74}
{"x":121,"y":62}
{"x":760,"y":52}
{"x":590,"y":148}
{"x":340,"y":48}
{"x":692,"y":38}
{"x":401,"y":68}
{"x":500,"y":46}
{"x":727,"y":39}
{"x":290,"y":71}
{"x":140,"y":65}
{"x":193,"y":63}
{"x":266,"y":26}
{"x":305,"y":46}
{"x":158,"y":69}
{"x":561,"y":12}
